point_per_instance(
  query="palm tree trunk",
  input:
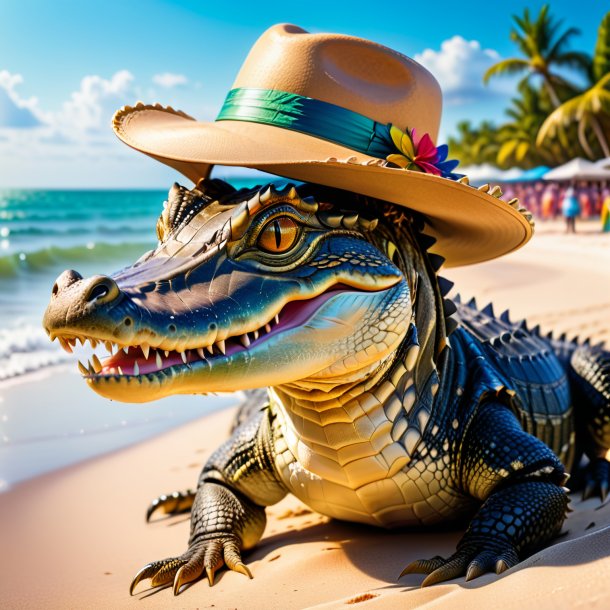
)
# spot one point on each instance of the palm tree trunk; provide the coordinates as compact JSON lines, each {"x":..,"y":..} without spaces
{"x":582,"y":137}
{"x":601,"y":138}
{"x":552,"y":93}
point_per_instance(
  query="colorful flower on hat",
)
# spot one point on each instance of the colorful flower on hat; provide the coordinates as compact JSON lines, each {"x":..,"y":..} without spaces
{"x":420,"y":154}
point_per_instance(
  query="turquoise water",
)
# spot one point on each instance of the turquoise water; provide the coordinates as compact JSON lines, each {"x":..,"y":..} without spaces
{"x":42,"y":233}
{"x":50,"y":419}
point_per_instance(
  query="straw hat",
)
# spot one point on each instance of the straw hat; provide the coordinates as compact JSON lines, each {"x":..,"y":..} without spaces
{"x":342,"y":112}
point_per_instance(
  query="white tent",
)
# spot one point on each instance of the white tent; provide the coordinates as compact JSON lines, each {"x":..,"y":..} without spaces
{"x":605,"y":163}
{"x":479,"y":174}
{"x":578,"y":169}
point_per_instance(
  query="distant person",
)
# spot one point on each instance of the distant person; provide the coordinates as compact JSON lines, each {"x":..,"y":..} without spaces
{"x":605,"y":211}
{"x":570,"y":209}
{"x":584,"y":199}
{"x":549,"y":202}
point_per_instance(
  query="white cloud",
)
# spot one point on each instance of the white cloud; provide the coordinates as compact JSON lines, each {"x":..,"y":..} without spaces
{"x":91,"y":107}
{"x":66,"y":145}
{"x":16,"y":112}
{"x":168,"y":80}
{"x":459,"y":66}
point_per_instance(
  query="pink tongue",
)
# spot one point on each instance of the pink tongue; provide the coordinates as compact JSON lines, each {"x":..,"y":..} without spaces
{"x":127,"y":361}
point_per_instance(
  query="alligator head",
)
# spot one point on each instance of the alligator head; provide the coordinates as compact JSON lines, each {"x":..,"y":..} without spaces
{"x":247,"y":289}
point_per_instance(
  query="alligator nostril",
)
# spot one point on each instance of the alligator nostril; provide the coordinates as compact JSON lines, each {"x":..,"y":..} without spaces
{"x":66,"y":279}
{"x":102,"y":290}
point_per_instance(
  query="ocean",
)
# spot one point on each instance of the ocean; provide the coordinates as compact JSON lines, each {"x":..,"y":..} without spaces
{"x":42,"y":233}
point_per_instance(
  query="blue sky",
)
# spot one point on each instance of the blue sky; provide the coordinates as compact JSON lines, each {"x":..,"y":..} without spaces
{"x":65,"y":66}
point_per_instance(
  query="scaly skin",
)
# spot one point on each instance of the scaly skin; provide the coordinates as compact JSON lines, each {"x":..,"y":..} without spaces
{"x":373,"y":413}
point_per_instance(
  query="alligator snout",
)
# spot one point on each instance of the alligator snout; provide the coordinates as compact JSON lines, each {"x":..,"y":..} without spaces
{"x":79,"y":304}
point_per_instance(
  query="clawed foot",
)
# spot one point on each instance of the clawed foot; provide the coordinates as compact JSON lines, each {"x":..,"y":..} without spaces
{"x":596,"y":479}
{"x":204,"y":555}
{"x":173,"y":504}
{"x":470,"y":563}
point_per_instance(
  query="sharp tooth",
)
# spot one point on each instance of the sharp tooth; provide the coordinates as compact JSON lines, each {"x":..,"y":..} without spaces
{"x":255,"y":334}
{"x":72,"y":341}
{"x":221,"y":346}
{"x":183,"y":356}
{"x":201,"y":352}
{"x":65,"y":345}
{"x":120,"y":370}
{"x":125,"y":349}
{"x":277,"y":319}
{"x":52,"y":337}
{"x":93,"y":342}
{"x":245,"y":341}
{"x":91,"y":369}
{"x":210,"y":349}
{"x":166,"y":352}
{"x":81,"y":341}
{"x":108,"y":345}
{"x":159,"y":360}
{"x":82,"y":368}
{"x":97,"y":365}
{"x":145,"y":350}
{"x":267,"y":328}
{"x":136,"y":368}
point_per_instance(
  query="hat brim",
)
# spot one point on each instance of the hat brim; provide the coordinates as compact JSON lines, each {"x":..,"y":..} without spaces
{"x":470,"y":225}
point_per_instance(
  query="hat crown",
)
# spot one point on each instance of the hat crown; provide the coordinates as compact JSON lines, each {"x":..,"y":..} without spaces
{"x":350,"y":72}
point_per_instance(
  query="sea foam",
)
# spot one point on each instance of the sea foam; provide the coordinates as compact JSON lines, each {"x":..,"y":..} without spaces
{"x":26,"y":348}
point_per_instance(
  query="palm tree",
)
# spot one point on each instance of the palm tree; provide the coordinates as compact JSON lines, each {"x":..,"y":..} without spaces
{"x":590,"y":109}
{"x":474,"y":145}
{"x":518,"y":137}
{"x":544,"y":47}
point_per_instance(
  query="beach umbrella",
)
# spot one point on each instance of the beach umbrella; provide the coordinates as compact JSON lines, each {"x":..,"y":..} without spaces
{"x":530,"y":175}
{"x":536,"y":173}
{"x":578,"y":169}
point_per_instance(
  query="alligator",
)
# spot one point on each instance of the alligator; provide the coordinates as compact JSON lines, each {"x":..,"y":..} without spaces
{"x":387,"y":403}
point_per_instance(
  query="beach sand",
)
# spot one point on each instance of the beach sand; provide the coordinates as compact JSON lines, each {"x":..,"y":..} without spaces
{"x":75,"y":538}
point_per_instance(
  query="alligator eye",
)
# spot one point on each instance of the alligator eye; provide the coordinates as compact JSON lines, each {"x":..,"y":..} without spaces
{"x":278,"y":235}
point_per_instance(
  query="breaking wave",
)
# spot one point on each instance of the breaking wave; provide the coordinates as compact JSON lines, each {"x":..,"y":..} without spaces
{"x":25,"y":349}
{"x":24,"y":263}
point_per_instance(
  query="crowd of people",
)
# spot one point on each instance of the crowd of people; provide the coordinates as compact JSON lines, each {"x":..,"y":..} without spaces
{"x":547,"y":200}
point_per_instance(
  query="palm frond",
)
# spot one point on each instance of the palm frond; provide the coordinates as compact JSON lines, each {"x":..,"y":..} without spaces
{"x":512,"y":65}
{"x":559,"y":47}
{"x":559,"y":118}
{"x":601,"y":55}
{"x":576,"y":60}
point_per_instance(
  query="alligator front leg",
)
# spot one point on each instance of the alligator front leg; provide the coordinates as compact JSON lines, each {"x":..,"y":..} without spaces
{"x":510,"y":525}
{"x":519,"y":479}
{"x":222,"y":525}
{"x":228,"y":514}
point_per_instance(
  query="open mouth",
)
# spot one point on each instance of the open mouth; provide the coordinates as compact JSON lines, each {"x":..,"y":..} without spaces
{"x":145,"y":362}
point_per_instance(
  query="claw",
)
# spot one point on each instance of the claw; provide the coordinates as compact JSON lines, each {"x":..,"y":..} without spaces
{"x":209,"y":572}
{"x":589,"y":489}
{"x":474,"y":571}
{"x":501,"y":566}
{"x":179,"y":580}
{"x":453,"y":569}
{"x":154,"y":505}
{"x":423,"y":566}
{"x":603,"y":491}
{"x":242,"y":568}
{"x":146,"y":572}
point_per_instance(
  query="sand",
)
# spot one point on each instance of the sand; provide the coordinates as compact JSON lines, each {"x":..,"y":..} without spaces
{"x":75,"y":538}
